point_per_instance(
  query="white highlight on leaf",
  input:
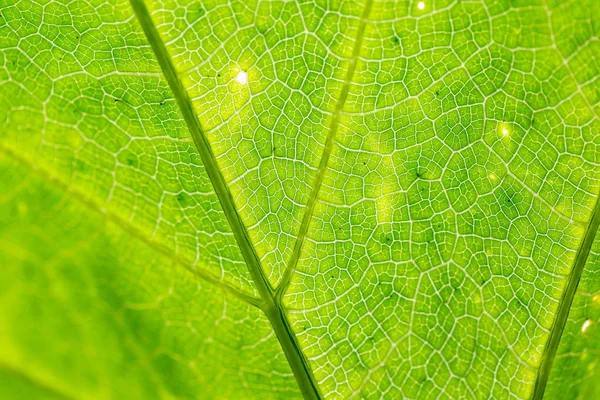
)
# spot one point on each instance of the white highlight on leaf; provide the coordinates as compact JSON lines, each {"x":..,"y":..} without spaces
{"x":242,"y":77}
{"x":421,"y":5}
{"x":586,"y":325}
{"x":504,"y":130}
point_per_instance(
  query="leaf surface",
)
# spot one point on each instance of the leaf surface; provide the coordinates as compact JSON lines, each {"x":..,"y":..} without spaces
{"x":382,"y":199}
{"x":575,"y":374}
{"x":109,"y":316}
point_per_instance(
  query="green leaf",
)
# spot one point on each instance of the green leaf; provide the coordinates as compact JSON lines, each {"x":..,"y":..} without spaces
{"x":91,"y":310}
{"x":277,"y":199}
{"x":575,"y":369}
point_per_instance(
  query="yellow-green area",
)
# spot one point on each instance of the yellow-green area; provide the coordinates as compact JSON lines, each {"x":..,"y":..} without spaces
{"x":323,"y":198}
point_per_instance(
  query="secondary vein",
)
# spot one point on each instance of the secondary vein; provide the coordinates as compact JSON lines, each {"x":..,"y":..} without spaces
{"x":565,"y":304}
{"x":42,"y":384}
{"x":322,"y":168}
{"x":94,"y":206}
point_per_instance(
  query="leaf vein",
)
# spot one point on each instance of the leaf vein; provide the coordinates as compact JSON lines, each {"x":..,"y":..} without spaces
{"x":271,"y":307}
{"x":323,"y":164}
{"x":565,"y":303}
{"x":127,"y":227}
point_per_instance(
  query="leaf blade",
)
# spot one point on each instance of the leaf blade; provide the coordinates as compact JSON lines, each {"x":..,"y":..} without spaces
{"x":106,"y":316}
{"x":111,"y":128}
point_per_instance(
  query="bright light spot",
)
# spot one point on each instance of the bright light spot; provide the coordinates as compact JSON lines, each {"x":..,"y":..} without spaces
{"x":586,"y":325}
{"x":504,"y":130}
{"x":492,"y":177}
{"x":242,"y":77}
{"x":421,"y":5}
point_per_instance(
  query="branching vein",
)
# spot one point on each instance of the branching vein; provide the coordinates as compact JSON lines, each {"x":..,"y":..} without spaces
{"x":333,"y":129}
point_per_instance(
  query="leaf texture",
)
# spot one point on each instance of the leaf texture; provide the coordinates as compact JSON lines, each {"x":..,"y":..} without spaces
{"x":384,"y":199}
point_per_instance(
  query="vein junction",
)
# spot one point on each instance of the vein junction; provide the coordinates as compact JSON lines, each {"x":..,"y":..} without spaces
{"x":272,"y":298}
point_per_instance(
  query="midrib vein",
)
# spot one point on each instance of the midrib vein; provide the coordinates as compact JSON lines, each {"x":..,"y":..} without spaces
{"x":271,"y":307}
{"x":109,"y":215}
{"x":323,"y":164}
{"x":565,"y":303}
{"x":200,"y":140}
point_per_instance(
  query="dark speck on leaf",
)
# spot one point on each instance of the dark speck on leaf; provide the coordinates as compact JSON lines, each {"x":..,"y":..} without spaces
{"x":520,"y":302}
